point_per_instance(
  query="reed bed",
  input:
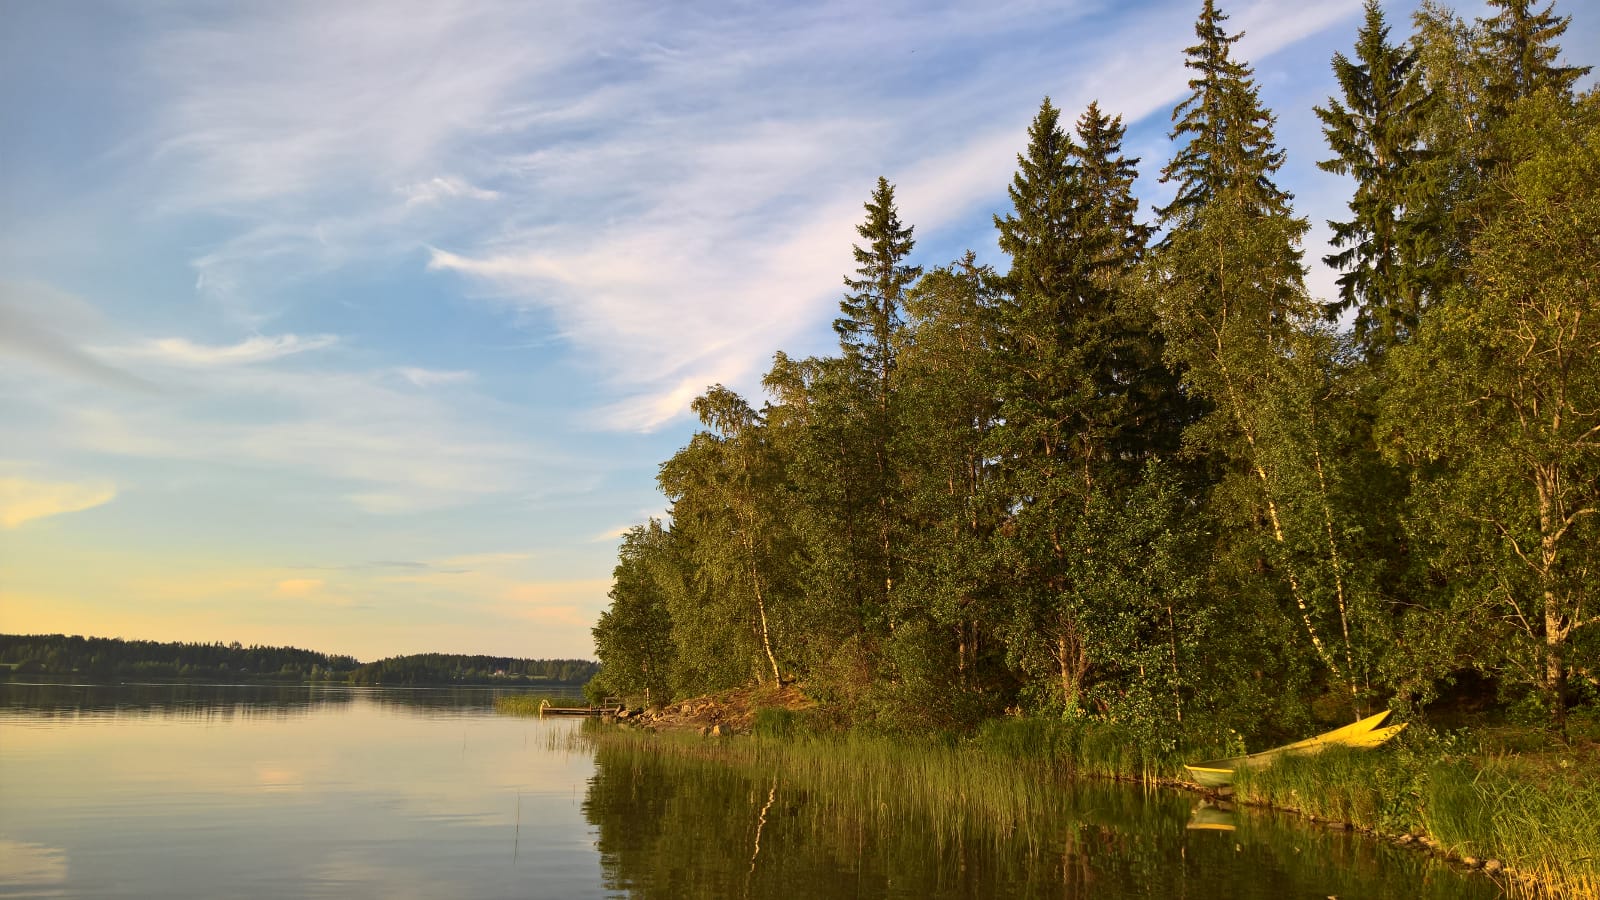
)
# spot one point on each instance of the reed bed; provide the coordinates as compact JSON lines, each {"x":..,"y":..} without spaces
{"x":1008,"y":778}
{"x":528,"y":704}
{"x":1538,"y":817}
{"x":1015,"y":777}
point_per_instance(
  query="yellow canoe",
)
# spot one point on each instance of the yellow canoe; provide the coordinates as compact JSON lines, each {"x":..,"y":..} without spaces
{"x":1367,"y":733}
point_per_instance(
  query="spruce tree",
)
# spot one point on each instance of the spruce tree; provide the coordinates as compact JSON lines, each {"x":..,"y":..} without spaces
{"x":867,"y":331}
{"x":1143,"y":408}
{"x":1227,"y":287}
{"x":1524,"y":52}
{"x":1034,"y":233}
{"x":1227,"y":143}
{"x":1067,"y":372}
{"x":872,"y":311}
{"x":1389,"y":244}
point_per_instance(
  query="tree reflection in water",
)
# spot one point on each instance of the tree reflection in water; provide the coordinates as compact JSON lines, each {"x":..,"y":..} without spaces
{"x":671,"y":827}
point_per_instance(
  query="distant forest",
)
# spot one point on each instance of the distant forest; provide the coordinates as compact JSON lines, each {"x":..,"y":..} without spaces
{"x":1139,"y":473}
{"x":56,"y":654}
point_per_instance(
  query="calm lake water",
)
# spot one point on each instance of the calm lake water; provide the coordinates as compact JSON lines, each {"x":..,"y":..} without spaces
{"x":214,"y":791}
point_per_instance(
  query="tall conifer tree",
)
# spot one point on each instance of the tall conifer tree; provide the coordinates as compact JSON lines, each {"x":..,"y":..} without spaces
{"x":1228,"y":148}
{"x":1522,"y":44}
{"x":868,"y":328}
{"x":1067,"y":374}
{"x":1230,"y":300}
{"x":1389,"y":245}
{"x":872,"y":311}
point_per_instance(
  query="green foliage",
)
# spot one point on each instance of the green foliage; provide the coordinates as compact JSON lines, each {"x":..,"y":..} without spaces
{"x":1388,"y":247}
{"x":1498,"y":403}
{"x":634,"y":635}
{"x":1151,"y":491}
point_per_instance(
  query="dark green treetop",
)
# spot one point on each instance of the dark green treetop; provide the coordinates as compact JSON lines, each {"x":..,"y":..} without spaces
{"x":871,"y":311}
{"x":1523,"y":44}
{"x":1375,"y":132}
{"x":1034,"y":233}
{"x":1226,"y":134}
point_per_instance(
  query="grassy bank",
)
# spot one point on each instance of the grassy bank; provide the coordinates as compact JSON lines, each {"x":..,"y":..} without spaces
{"x":1536,"y":810}
{"x":1537,"y":813}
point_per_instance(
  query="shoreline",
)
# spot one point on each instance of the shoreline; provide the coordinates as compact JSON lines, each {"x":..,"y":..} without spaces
{"x":1355,"y":782}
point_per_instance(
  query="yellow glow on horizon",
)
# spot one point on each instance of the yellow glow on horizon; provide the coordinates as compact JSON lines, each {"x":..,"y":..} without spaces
{"x":300,"y":587}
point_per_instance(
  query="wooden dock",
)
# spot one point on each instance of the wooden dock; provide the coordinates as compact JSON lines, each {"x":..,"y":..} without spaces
{"x":608,"y":708}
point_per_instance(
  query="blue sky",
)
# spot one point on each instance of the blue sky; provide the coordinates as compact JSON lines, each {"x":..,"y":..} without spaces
{"x":363,"y":326}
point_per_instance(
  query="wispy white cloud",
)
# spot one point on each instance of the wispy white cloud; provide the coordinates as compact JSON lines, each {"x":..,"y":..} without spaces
{"x":254,"y":349}
{"x":444,"y":187}
{"x":488,"y":559}
{"x":676,"y":188}
{"x":392,"y":448}
{"x":24,"y":500}
{"x":424,"y":378}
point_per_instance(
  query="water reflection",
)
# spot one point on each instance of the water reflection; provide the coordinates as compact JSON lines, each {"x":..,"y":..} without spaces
{"x":1212,"y":815}
{"x":59,"y":702}
{"x":681,"y":828}
{"x":290,"y":790}
{"x":277,"y":791}
{"x":32,"y":870}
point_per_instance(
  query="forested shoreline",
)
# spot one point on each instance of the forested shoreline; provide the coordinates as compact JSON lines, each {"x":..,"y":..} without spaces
{"x":1142,"y":476}
{"x":57,"y":654}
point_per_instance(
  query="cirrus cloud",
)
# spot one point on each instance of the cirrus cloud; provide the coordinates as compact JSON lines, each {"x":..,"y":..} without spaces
{"x":24,"y":500}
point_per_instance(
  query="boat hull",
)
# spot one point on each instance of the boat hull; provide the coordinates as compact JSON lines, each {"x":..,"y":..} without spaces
{"x":1365,"y":734}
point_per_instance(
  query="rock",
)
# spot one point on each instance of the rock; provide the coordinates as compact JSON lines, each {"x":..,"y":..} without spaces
{"x":1404,"y":839}
{"x":623,"y":713}
{"x":1493,"y":865}
{"x":716,"y":731}
{"x":1471,"y":861}
{"x":1429,"y":842}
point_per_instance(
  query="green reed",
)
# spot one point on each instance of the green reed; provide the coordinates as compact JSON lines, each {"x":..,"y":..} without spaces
{"x":1013,"y":779}
{"x":1539,"y":816}
{"x":528,"y":704}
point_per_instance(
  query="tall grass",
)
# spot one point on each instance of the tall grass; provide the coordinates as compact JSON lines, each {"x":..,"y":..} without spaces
{"x":1538,"y":818}
{"x":528,"y":704}
{"x":1015,"y":777}
{"x":1007,"y":781}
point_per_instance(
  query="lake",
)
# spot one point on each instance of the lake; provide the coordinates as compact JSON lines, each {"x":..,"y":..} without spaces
{"x":310,"y":791}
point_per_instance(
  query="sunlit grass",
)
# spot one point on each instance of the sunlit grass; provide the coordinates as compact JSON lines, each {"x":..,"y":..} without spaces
{"x":528,"y":704}
{"x":1539,"y":816}
{"x":1541,"y":819}
{"x":1013,"y":778}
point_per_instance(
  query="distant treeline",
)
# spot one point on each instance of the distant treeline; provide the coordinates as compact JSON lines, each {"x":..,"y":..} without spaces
{"x":57,"y":654}
{"x":437,"y":668}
